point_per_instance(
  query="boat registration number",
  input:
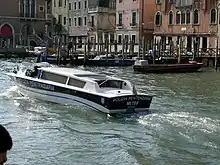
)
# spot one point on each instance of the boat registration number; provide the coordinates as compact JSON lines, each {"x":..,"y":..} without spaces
{"x":132,"y":103}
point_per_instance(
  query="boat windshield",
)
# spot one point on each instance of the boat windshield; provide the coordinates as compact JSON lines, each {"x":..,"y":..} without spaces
{"x":110,"y":84}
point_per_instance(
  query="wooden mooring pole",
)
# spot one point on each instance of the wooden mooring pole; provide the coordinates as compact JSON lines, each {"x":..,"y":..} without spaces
{"x":216,"y":56}
{"x":85,"y":51}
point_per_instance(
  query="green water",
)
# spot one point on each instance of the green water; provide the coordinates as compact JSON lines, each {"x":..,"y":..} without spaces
{"x":182,"y":128}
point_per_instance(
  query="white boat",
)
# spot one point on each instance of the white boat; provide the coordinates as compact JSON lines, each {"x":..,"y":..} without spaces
{"x":103,"y":93}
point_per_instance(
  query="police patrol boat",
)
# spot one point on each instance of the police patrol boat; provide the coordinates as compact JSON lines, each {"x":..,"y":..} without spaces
{"x":68,"y":86}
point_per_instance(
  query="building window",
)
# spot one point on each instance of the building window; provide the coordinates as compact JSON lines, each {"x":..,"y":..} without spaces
{"x":60,"y":3}
{"x":54,"y":3}
{"x":126,"y":39}
{"x":75,"y":5}
{"x":170,"y":18}
{"x":79,"y":21}
{"x":41,"y":8}
{"x":79,"y":5}
{"x":183,"y":17}
{"x":188,"y":17}
{"x":85,"y":21}
{"x":119,"y":1}
{"x":178,"y":17}
{"x":33,"y":7}
{"x":27,"y":8}
{"x":64,"y":20}
{"x":158,"y":1}
{"x":92,"y":21}
{"x":119,"y":39}
{"x":70,"y":6}
{"x":134,"y":18}
{"x":70,"y":21}
{"x":213,"y":16}
{"x":133,"y":38}
{"x":21,"y":8}
{"x":169,"y":40}
{"x":119,"y":19}
{"x":75,"y":22}
{"x":112,"y":37}
{"x":158,"y":19}
{"x":85,"y":4}
{"x":196,"y":16}
{"x":59,"y":19}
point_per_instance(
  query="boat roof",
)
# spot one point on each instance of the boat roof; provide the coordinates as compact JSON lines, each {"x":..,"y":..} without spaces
{"x":71,"y":72}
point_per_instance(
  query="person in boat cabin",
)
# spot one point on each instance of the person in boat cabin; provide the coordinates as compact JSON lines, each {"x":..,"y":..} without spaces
{"x":35,"y":72}
{"x":5,"y":144}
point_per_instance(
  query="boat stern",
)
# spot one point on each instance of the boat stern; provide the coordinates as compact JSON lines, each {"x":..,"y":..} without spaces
{"x":129,"y":104}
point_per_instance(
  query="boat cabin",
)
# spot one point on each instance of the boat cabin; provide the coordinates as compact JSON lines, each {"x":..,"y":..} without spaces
{"x":80,"y":79}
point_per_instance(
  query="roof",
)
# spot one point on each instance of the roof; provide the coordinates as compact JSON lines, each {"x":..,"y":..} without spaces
{"x":70,"y":72}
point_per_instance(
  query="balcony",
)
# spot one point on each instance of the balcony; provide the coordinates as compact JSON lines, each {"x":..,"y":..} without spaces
{"x":133,"y":24}
{"x":100,"y":10}
{"x":120,"y":26}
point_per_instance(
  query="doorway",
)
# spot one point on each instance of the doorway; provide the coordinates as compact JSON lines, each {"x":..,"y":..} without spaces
{"x":189,"y":44}
{"x":204,"y":44}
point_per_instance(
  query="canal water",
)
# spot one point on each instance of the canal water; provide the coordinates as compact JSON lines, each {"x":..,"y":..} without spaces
{"x":183,"y":126}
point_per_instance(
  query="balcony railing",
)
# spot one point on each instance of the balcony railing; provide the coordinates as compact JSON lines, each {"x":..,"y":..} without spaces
{"x":100,"y":10}
{"x":133,"y":24}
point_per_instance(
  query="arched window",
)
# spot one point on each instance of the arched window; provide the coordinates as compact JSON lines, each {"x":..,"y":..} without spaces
{"x":170,"y":18}
{"x":196,"y":16}
{"x":27,"y":8}
{"x":6,"y":31}
{"x":183,"y":17}
{"x":33,"y":8}
{"x":158,"y":18}
{"x":178,"y":17}
{"x":213,"y":16}
{"x":188,"y":15}
{"x":21,"y":8}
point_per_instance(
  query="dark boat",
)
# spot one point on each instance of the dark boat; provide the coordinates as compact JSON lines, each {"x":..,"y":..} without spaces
{"x":102,"y":60}
{"x":97,"y":61}
{"x":143,"y":66}
{"x":52,"y":59}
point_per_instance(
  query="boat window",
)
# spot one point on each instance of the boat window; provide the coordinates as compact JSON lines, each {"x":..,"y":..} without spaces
{"x":54,"y":77}
{"x":110,"y":84}
{"x":76,"y":83}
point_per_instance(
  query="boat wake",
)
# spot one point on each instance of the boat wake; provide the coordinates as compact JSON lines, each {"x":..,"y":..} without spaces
{"x":13,"y":94}
{"x":182,"y":120}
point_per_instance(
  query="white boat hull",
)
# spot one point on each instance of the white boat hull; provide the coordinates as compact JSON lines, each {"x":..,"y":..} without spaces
{"x":60,"y":98}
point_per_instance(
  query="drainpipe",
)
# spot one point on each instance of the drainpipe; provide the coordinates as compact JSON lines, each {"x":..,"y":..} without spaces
{"x":141,"y":15}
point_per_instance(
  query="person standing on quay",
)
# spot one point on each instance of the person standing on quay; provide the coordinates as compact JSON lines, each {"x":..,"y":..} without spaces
{"x":5,"y":144}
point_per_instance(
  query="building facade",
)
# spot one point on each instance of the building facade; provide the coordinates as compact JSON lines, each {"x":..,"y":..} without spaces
{"x":101,"y":22}
{"x":60,"y":17}
{"x":78,"y":20}
{"x":135,"y":19}
{"x":148,"y":9}
{"x":127,"y":20}
{"x":22,"y":22}
{"x":195,"y":22}
{"x":81,"y":19}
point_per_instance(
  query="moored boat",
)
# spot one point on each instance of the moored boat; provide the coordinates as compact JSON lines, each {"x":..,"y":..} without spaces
{"x":143,"y":66}
{"x":103,"y":60}
{"x":100,"y":92}
{"x":100,"y":60}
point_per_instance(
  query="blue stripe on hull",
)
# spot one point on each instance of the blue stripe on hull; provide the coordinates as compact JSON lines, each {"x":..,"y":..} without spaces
{"x":63,"y":97}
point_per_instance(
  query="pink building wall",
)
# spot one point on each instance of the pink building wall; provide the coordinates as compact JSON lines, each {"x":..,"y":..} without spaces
{"x":126,"y":8}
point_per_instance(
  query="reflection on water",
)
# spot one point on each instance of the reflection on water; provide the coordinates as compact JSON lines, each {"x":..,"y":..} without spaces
{"x":183,"y":126}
